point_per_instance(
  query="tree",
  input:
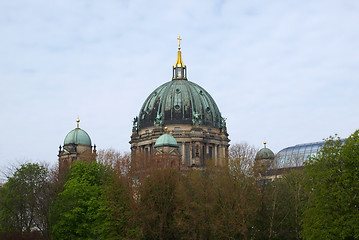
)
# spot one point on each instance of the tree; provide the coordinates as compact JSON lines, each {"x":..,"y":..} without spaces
{"x":237,"y":194}
{"x":241,"y":159}
{"x":236,"y":204}
{"x":158,"y":204}
{"x":219,"y":202}
{"x":95,"y":203}
{"x":25,"y":199}
{"x":119,"y":162}
{"x":282,"y":202}
{"x":194,"y":218}
{"x":75,"y":212}
{"x":332,"y":178}
{"x":118,"y":202}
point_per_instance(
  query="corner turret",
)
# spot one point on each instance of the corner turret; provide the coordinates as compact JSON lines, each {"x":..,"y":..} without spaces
{"x":77,"y":146}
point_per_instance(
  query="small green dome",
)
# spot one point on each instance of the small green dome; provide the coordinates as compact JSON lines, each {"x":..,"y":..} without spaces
{"x":264,"y":153}
{"x":78,"y":137}
{"x":166,"y":140}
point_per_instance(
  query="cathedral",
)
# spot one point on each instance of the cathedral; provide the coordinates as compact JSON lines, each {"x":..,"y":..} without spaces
{"x":186,"y":111}
{"x":179,"y":117}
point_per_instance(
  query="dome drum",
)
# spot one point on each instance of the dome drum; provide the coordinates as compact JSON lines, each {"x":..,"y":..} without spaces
{"x":196,"y":143}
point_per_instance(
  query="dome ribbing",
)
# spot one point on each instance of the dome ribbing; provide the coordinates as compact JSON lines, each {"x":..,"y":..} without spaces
{"x":77,"y":136}
{"x":180,"y":102}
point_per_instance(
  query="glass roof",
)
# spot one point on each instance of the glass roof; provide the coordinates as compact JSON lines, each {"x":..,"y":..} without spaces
{"x":296,"y":155}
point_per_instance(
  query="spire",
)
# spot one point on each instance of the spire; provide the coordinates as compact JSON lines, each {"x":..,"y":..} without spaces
{"x":179,"y":69}
{"x":179,"y":62}
{"x":265,"y":144}
{"x":78,"y":122}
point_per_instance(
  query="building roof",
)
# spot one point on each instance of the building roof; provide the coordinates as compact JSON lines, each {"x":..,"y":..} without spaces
{"x":264,"y":153}
{"x":180,"y":102}
{"x":77,"y":136}
{"x":166,"y":140}
{"x":295,"y":156}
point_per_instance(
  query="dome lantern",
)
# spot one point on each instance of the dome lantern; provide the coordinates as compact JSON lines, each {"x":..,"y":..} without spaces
{"x":179,"y":69}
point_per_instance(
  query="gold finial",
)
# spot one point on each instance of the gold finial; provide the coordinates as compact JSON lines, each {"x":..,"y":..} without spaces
{"x":179,"y":62}
{"x":265,"y":144}
{"x":78,"y":122}
{"x":179,"y":42}
{"x":165,"y":129}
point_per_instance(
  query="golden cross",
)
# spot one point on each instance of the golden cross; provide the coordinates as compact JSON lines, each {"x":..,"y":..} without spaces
{"x":179,"y":42}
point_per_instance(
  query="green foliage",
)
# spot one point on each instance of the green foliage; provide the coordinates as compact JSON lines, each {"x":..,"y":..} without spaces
{"x":332,"y":178}
{"x":102,"y":201}
{"x":75,"y":212}
{"x":116,"y":209}
{"x":93,"y":205}
{"x":24,"y":200}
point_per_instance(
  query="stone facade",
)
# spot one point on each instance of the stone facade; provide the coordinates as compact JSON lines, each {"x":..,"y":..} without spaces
{"x":196,"y":143}
{"x":72,"y":153}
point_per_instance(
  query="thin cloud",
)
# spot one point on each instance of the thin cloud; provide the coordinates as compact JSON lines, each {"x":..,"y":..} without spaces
{"x":285,"y":72}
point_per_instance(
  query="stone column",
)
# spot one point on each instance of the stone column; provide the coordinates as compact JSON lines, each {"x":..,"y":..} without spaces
{"x":215,"y":154}
{"x":183,"y":153}
{"x":190,"y":154}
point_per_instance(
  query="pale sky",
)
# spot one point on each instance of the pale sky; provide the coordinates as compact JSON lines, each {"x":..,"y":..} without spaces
{"x":285,"y":72}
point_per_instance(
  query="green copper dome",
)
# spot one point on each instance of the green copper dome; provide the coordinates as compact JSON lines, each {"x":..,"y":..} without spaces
{"x":166,"y":140}
{"x":78,"y":137}
{"x":180,"y":102}
{"x":264,"y":153}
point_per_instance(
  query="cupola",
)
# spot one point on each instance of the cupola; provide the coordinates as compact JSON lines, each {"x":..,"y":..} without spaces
{"x":166,"y":140}
{"x":264,"y":153}
{"x":77,"y":137}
